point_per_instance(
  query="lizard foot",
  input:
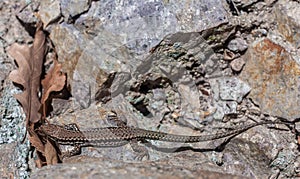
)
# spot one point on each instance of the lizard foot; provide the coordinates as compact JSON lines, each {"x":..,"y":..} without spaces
{"x":141,"y":151}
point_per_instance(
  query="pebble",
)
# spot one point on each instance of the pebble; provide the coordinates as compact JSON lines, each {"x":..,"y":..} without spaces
{"x":237,"y":64}
{"x":237,"y":45}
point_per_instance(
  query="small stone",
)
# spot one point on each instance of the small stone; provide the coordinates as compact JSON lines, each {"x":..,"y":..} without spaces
{"x":237,"y":45}
{"x":237,"y":64}
{"x":228,"y":55}
{"x":259,"y":32}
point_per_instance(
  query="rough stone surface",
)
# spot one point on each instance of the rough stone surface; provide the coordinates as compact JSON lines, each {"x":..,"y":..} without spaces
{"x":90,"y":168}
{"x":67,"y":38}
{"x":274,"y":78}
{"x":13,"y":163}
{"x":227,"y":93}
{"x":287,"y":13}
{"x":232,"y":89}
{"x":143,"y":24}
{"x":49,"y":11}
{"x":12,"y":132}
{"x":9,"y":32}
{"x":88,"y":62}
{"x":171,"y":64}
{"x":74,"y":8}
{"x":93,"y":50}
{"x":25,"y":14}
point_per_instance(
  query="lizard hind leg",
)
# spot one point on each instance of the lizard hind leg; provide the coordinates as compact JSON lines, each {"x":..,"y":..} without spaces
{"x":141,"y":151}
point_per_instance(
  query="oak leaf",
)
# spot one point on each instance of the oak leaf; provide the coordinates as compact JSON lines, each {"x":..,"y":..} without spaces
{"x":50,"y":153}
{"x":28,"y":75}
{"x":54,"y":81}
{"x":30,"y":62}
{"x":37,"y":143}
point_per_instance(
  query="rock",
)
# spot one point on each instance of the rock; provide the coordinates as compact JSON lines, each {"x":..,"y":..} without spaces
{"x":71,"y":9}
{"x":259,"y":32}
{"x":237,"y":45}
{"x":26,"y":15}
{"x":88,"y":63}
{"x":7,"y":165}
{"x":232,"y":89}
{"x":143,"y":24}
{"x":273,"y":76}
{"x":82,"y":167}
{"x":228,"y":56}
{"x":100,"y":57}
{"x":190,"y":104}
{"x":60,"y":106}
{"x":49,"y":11}
{"x":68,"y":42}
{"x":168,"y":64}
{"x":11,"y":29}
{"x":227,"y":93}
{"x":12,"y":131}
{"x":81,"y":90}
{"x":287,"y":15}
{"x":237,"y":64}
{"x":118,"y":35}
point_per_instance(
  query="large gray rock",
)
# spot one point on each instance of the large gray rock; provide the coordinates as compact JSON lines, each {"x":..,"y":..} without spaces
{"x":112,"y":36}
{"x":143,"y":24}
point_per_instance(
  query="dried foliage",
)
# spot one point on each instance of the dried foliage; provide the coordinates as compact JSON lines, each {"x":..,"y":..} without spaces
{"x":30,"y":60}
{"x":54,"y":81}
{"x":50,"y":153}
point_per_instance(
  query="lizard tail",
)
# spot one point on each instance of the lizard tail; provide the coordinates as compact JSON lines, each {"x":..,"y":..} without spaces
{"x":192,"y":139}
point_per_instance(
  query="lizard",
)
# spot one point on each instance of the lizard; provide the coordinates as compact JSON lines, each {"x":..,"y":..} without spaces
{"x":122,"y":134}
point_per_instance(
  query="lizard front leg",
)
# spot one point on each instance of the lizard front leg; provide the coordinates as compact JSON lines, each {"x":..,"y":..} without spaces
{"x":77,"y":148}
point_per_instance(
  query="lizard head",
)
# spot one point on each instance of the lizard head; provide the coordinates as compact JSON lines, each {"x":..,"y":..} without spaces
{"x":49,"y":130}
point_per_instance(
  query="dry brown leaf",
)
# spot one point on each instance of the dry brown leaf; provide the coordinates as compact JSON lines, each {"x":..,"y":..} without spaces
{"x":54,"y":81}
{"x":38,"y":163}
{"x":37,"y":143}
{"x":50,"y":154}
{"x":30,"y":61}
